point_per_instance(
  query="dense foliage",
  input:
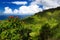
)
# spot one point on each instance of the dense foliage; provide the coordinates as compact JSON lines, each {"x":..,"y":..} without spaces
{"x":41,"y":26}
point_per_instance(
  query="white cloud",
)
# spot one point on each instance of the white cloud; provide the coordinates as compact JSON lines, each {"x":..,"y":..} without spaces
{"x":15,"y":11}
{"x":33,"y":7}
{"x":29,"y":9}
{"x":23,"y":10}
{"x":47,"y":3}
{"x":19,"y":2}
{"x":8,"y":10}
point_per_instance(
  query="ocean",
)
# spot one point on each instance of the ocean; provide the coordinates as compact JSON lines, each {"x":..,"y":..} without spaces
{"x":2,"y":17}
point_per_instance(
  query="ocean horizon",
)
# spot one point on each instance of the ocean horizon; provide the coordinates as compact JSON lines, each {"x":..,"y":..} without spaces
{"x":2,"y":17}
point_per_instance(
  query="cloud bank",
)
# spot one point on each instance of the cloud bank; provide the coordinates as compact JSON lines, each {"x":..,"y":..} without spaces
{"x":23,"y":10}
{"x":34,"y":7}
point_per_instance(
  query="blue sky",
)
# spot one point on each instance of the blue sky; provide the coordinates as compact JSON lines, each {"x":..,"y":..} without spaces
{"x":21,"y":7}
{"x":4,"y":3}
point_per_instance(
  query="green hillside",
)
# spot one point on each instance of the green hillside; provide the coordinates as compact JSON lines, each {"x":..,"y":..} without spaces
{"x":41,"y":26}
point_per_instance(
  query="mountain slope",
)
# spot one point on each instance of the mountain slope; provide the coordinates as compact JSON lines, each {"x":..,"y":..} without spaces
{"x":49,"y":17}
{"x":41,"y":26}
{"x":51,"y":14}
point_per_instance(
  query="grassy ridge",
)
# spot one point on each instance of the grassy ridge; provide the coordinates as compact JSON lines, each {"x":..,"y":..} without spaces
{"x":41,"y":26}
